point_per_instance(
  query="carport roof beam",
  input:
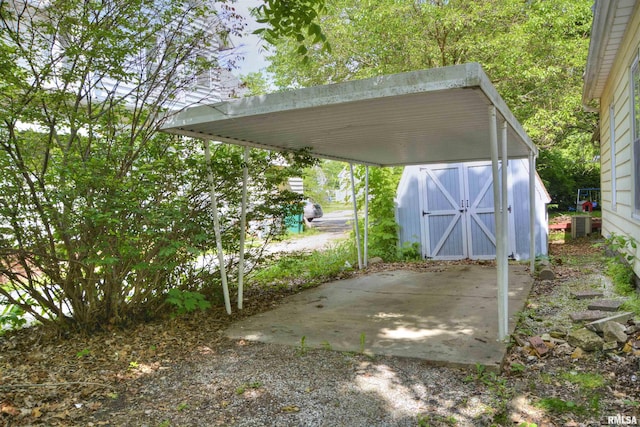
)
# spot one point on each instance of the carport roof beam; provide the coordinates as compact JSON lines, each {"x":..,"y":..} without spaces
{"x":428,"y":116}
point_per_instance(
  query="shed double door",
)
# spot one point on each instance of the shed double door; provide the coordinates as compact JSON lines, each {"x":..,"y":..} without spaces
{"x":458,"y":212}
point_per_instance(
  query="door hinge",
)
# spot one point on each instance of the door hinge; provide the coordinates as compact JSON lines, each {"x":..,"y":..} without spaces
{"x":509,"y":209}
{"x":425,"y":213}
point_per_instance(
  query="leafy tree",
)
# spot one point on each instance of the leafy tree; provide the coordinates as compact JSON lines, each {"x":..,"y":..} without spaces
{"x":533,"y":51}
{"x":256,"y":84}
{"x":323,"y":180}
{"x":99,"y":213}
{"x":383,"y":229}
{"x":293,"y":20}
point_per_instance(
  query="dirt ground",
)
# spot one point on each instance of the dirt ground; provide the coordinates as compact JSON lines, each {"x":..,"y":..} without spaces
{"x":183,"y":372}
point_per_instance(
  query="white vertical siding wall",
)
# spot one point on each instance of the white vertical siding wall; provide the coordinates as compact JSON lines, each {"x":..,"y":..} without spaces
{"x":519,"y":183}
{"x":408,"y":213}
{"x":617,"y":212}
{"x":206,"y":88}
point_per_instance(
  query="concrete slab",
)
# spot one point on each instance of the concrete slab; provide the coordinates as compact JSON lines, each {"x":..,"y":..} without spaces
{"x":446,"y":317}
{"x":606,"y":305}
{"x":587,"y":294}
{"x":588,"y":315}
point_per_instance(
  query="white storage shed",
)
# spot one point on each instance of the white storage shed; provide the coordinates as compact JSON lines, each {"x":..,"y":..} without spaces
{"x":448,"y":210}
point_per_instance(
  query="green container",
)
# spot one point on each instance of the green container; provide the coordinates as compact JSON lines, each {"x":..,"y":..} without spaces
{"x":294,"y":224}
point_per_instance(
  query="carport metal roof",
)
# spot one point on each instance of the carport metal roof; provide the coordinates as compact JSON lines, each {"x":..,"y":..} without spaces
{"x":428,"y":116}
{"x":438,"y":115}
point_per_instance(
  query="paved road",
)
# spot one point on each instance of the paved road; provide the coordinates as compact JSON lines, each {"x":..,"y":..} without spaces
{"x":333,"y":226}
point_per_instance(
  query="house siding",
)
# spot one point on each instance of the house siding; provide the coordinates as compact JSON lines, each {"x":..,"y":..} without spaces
{"x":617,"y":90}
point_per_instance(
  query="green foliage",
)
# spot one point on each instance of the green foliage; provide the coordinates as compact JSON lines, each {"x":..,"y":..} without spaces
{"x":632,"y":304}
{"x":533,"y":51}
{"x":428,"y":420}
{"x":252,"y":385}
{"x":302,"y":350}
{"x":322,"y":180}
{"x":293,"y":20}
{"x":586,"y":380}
{"x":517,"y":368}
{"x":363,"y":342}
{"x":556,"y":405}
{"x":186,"y":301}
{"x":305,"y":269}
{"x":12,"y":316}
{"x":501,"y":393}
{"x":563,"y":172}
{"x":622,"y":277}
{"x":85,"y":352}
{"x":619,"y":265}
{"x":256,"y":83}
{"x":326,"y":345}
{"x":623,"y":245}
{"x":383,"y":229}
{"x":100,"y":215}
{"x":410,"y":252}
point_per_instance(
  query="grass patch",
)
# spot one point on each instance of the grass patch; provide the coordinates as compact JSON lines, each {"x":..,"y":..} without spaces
{"x":334,"y":207}
{"x":556,"y":405}
{"x":557,"y":236}
{"x":306,"y":269}
{"x":585,"y":380}
{"x":621,"y":276}
{"x":632,"y":304}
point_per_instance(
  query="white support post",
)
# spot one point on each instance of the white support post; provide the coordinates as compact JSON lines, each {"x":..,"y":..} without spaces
{"x":243,"y":225}
{"x":532,"y":212}
{"x":366,"y":216}
{"x":216,"y":226}
{"x":493,"y":142}
{"x":355,"y":215}
{"x":505,"y":225}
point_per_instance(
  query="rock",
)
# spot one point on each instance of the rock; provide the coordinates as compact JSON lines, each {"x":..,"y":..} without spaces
{"x":375,"y":260}
{"x":589,"y":315}
{"x":578,"y":353}
{"x":546,"y":274}
{"x":539,"y":346}
{"x":563,"y":349}
{"x":598,"y":324}
{"x":609,"y":346}
{"x":632,"y":329}
{"x":615,"y":357}
{"x":614,"y":331}
{"x":558,"y":334}
{"x":546,"y":337}
{"x":587,"y":294}
{"x":585,"y":339}
{"x":605,"y":305}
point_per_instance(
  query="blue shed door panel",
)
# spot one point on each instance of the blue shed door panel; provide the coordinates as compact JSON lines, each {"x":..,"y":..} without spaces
{"x":458,"y":211}
{"x":445,"y":231}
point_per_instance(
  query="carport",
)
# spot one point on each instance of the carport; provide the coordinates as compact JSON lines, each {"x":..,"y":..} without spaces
{"x":449,"y":114}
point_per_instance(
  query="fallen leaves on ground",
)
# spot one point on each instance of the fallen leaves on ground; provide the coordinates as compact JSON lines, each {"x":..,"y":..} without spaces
{"x":81,"y":380}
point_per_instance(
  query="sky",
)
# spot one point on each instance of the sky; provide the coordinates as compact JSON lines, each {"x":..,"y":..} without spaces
{"x":249,"y":45}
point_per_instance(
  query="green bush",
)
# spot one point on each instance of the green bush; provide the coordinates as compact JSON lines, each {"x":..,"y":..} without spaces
{"x":186,"y":301}
{"x":306,"y":269}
